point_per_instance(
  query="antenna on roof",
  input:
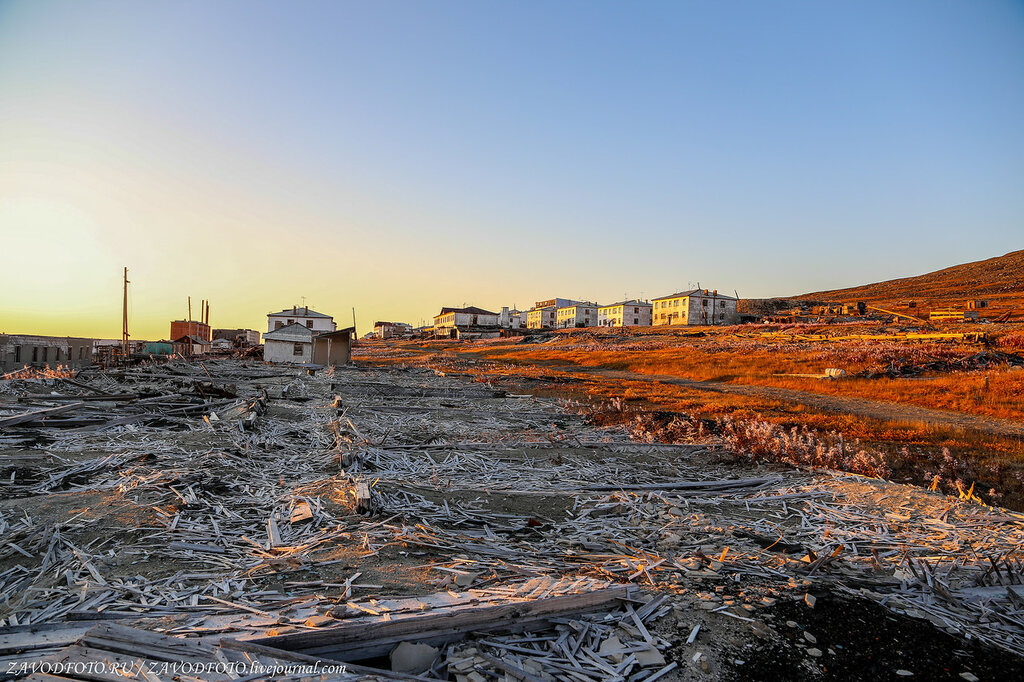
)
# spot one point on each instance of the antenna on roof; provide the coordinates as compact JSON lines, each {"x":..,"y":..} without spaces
{"x":737,"y":294}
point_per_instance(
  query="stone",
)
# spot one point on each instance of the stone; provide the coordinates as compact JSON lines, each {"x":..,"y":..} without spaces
{"x":613,"y":643}
{"x":810,"y":638}
{"x":810,"y":599}
{"x":465,"y":579}
{"x":318,"y":621}
{"x":816,"y":653}
{"x":649,"y":657}
{"x":970,"y":677}
{"x":412,"y":658}
{"x":904,"y":673}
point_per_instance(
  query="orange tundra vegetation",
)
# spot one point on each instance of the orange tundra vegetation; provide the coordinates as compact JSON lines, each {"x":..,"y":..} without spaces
{"x":567,"y":365}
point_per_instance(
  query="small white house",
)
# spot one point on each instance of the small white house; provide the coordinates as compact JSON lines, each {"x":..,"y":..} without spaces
{"x":311,"y":319}
{"x":511,"y":318}
{"x":579,"y":315}
{"x":696,"y":307}
{"x":291,"y":343}
{"x":633,"y":313}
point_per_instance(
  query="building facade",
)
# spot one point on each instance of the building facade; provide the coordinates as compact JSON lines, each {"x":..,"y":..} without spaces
{"x":388,"y":330}
{"x":450,"y":321}
{"x":695,"y":307}
{"x":238,"y":337}
{"x":180,"y":328}
{"x":578,"y":315}
{"x":541,"y":318}
{"x":18,"y":351}
{"x":310,"y":319}
{"x":633,"y":313}
{"x":511,"y":318}
{"x":292,"y":343}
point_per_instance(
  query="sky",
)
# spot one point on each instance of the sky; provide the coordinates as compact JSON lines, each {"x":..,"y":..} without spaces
{"x":396,"y":156}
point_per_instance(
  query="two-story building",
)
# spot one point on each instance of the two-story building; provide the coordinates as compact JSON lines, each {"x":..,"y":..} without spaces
{"x":391,"y":330}
{"x":28,"y":350}
{"x":310,"y":319}
{"x":695,"y":307}
{"x":452,"y":322}
{"x":577,"y":315}
{"x":541,"y":318}
{"x":633,"y":313}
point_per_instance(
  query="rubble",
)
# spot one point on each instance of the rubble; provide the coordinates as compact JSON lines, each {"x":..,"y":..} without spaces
{"x":360,"y":513}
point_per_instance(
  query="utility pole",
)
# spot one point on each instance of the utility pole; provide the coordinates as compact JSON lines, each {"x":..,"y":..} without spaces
{"x":354,"y":323}
{"x":124,"y":321}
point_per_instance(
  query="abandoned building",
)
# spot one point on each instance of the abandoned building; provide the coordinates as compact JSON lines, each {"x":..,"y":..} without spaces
{"x":333,"y":348}
{"x":162,"y":347}
{"x":511,"y":318}
{"x":24,"y":350}
{"x":311,"y":319}
{"x":290,"y":343}
{"x":298,"y":344}
{"x":240,"y":338}
{"x":391,"y":330}
{"x":697,"y":307}
{"x":180,"y":328}
{"x":191,"y":344}
{"x":577,"y":315}
{"x":541,"y":318}
{"x":544,"y":315}
{"x":458,"y":322}
{"x":634,"y":313}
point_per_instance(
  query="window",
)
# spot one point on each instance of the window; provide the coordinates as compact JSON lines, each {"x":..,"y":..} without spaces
{"x":291,"y":321}
{"x":636,"y":320}
{"x":309,"y":324}
{"x":297,"y":349}
{"x":278,"y":324}
{"x":35,"y":353}
{"x":81,"y":352}
{"x":636,"y":310}
{"x":17,"y":353}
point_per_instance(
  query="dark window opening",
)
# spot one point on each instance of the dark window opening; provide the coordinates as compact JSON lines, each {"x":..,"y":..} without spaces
{"x":297,"y":349}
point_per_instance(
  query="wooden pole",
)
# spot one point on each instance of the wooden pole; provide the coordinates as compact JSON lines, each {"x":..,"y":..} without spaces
{"x":124,"y":320}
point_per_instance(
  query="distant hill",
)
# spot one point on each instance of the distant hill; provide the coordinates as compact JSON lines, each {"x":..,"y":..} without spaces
{"x":1000,"y":280}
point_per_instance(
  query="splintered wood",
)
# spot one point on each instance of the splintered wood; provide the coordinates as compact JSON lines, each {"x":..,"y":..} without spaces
{"x":251,"y":503}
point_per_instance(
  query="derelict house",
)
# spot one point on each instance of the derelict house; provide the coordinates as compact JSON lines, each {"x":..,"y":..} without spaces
{"x":28,"y":350}
{"x":634,"y":313}
{"x":468,"y":322}
{"x":696,"y":307}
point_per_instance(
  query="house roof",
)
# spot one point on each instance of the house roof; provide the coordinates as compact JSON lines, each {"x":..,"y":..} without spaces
{"x":300,"y":312}
{"x":346,"y":332}
{"x":192,"y":338}
{"x":291,"y":332}
{"x":393,"y":324}
{"x":634,"y":302}
{"x":471,"y":310}
{"x":692,"y":292}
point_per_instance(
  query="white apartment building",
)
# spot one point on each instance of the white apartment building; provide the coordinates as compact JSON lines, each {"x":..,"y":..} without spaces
{"x":696,"y":307}
{"x":310,"y":319}
{"x":449,"y":321}
{"x":579,"y":315}
{"x":633,"y":313}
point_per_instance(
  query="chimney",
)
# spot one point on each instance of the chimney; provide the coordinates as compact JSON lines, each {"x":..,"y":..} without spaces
{"x":307,"y":310}
{"x":295,"y":311}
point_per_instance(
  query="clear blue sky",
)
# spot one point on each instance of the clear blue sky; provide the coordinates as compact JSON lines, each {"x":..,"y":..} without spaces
{"x":400,"y":156}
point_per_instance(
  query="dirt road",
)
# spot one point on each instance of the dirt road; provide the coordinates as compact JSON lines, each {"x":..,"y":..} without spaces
{"x":862,"y":407}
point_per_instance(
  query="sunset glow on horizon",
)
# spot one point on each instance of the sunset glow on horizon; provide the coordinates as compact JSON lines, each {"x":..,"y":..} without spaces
{"x":395,"y":157}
